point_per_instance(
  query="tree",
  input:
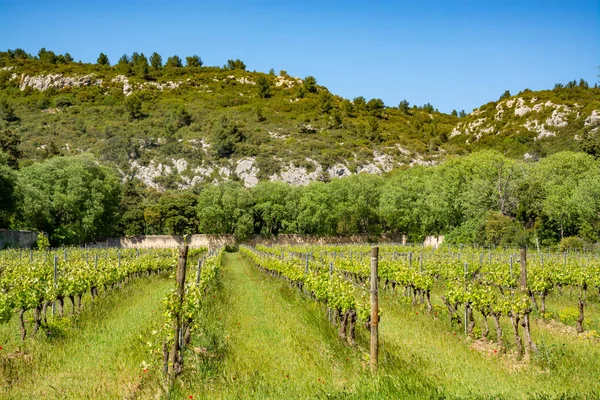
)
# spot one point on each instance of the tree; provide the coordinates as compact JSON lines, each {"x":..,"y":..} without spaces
{"x":310,"y":84}
{"x":428,"y":108}
{"x":133,"y":105}
{"x":7,"y":111}
{"x":347,"y":107}
{"x":124,"y":60}
{"x":46,"y":56}
{"x":404,"y":107}
{"x":180,"y":117}
{"x":360,"y":104}
{"x":20,"y":54}
{"x":174,"y":62}
{"x":9,"y":144}
{"x":9,"y":198}
{"x":226,"y":134}
{"x":462,"y":114}
{"x":325,"y":102}
{"x":74,"y":199}
{"x":272,"y":72}
{"x":270,"y":209}
{"x":505,"y":95}
{"x":175,"y":213}
{"x":235,"y":64}
{"x":156,"y":60}
{"x":264,"y":87}
{"x":194,"y":61}
{"x":102,"y":59}
{"x":454,"y":113}
{"x":226,"y":208}
{"x":132,"y":203}
{"x":583,"y":84}
{"x":375,"y":107}
{"x":590,"y":140}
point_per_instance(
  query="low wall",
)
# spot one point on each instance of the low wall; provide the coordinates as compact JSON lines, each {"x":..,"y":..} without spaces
{"x":165,"y":241}
{"x":433,"y":241}
{"x":288,"y":239}
{"x":9,"y":238}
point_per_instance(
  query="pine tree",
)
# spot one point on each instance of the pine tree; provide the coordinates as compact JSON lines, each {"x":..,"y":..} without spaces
{"x":156,"y":60}
{"x":102,"y":59}
{"x":174,"y":62}
{"x":194,"y":61}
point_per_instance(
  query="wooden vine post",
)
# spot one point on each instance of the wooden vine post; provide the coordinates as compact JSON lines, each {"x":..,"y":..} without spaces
{"x":530,"y":345}
{"x":374,"y":308}
{"x":174,"y":360}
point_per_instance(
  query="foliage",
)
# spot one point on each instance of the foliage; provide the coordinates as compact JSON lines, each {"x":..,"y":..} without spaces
{"x":193,"y":61}
{"x":72,"y":198}
{"x":102,"y":59}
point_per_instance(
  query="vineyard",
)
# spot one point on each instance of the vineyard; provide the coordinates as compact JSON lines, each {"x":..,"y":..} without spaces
{"x":494,"y":284}
{"x":300,"y":321}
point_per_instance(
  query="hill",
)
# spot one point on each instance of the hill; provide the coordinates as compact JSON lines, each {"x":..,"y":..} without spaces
{"x":174,"y":126}
{"x":533,"y":124}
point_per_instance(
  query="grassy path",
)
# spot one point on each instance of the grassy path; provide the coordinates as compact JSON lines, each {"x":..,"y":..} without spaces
{"x":566,"y":367}
{"x":100,"y":357}
{"x":279,"y":345}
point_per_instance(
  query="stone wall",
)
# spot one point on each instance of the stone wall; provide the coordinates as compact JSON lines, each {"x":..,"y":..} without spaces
{"x":433,"y":241}
{"x":289,"y":239}
{"x":165,"y":241}
{"x":10,"y":238}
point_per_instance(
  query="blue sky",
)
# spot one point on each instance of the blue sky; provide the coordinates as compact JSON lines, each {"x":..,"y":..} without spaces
{"x":453,"y":54}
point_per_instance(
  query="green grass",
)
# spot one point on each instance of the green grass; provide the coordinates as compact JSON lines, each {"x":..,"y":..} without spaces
{"x":565,"y":366}
{"x":261,"y":339}
{"x":271,"y":332}
{"x":96,"y":355}
{"x":279,"y":344}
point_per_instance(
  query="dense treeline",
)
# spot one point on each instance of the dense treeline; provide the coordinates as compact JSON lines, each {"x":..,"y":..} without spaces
{"x":483,"y":198}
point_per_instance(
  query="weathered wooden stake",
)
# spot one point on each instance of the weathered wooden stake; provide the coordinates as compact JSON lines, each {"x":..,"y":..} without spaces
{"x":523,"y":275}
{"x":174,"y":363}
{"x":199,"y":271}
{"x":374,"y":308}
{"x":55,"y":281}
{"x":466,"y":304}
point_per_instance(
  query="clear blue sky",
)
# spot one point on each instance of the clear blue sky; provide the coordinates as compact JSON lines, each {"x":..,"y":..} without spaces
{"x":453,"y":54}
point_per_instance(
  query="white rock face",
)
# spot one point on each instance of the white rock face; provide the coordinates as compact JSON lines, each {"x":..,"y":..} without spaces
{"x":418,"y":160}
{"x":339,"y":171}
{"x":57,"y":81}
{"x":298,"y":175}
{"x":127,"y":88}
{"x":384,"y":161}
{"x":163,"y":86}
{"x":282,"y":81}
{"x":593,"y":119}
{"x":558,"y":119}
{"x":247,"y":172}
{"x":225,"y":172}
{"x":180,"y":165}
{"x":246,"y":81}
{"x":540,"y":129}
{"x":520,"y":111}
{"x":148,"y":173}
{"x":369,"y":169}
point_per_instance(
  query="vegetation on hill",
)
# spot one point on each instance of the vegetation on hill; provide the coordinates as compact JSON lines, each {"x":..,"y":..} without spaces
{"x":139,"y":111}
{"x":96,"y":150}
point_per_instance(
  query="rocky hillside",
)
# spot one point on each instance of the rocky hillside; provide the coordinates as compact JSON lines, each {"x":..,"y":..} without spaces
{"x":533,"y":124}
{"x":175,"y":127}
